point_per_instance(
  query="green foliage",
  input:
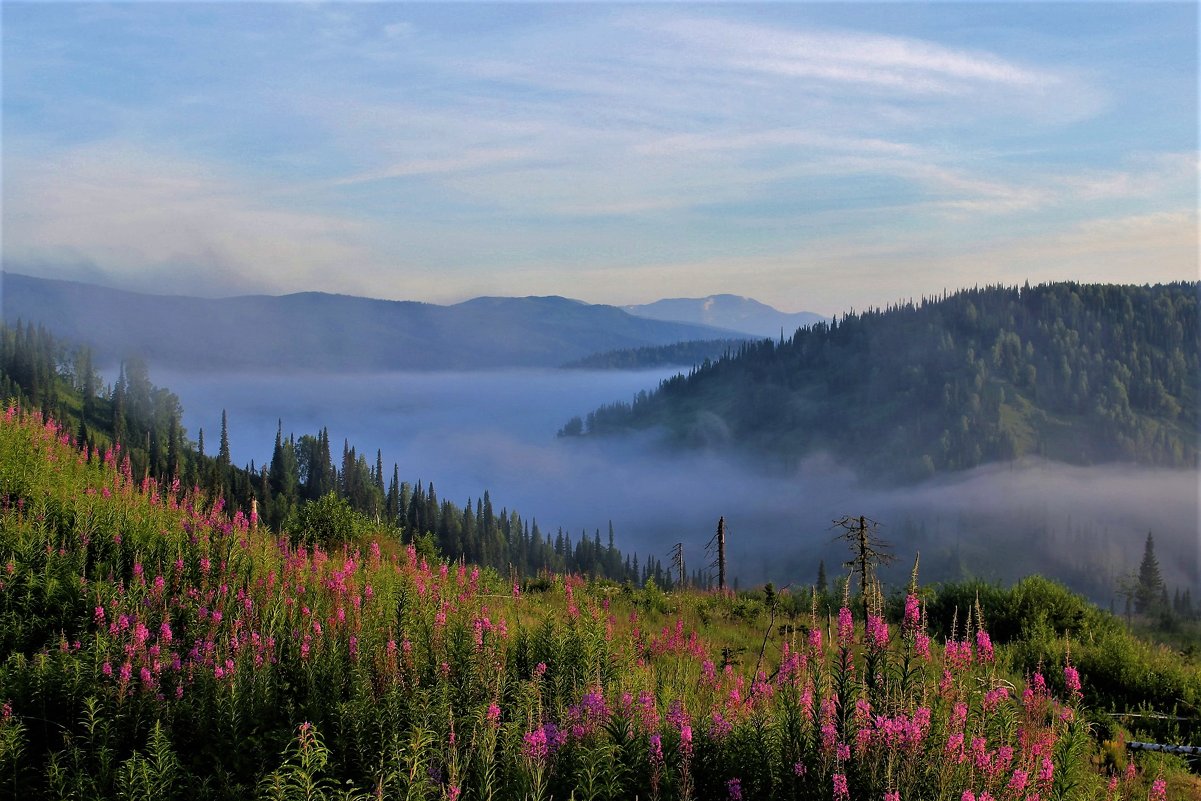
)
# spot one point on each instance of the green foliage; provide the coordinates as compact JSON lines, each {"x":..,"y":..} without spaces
{"x":328,"y":521}
{"x":1150,"y":588}
{"x":1043,"y":622}
{"x":302,"y":775}
{"x":154,"y":776}
{"x":1072,"y":372}
{"x":683,"y":354}
{"x":39,"y":372}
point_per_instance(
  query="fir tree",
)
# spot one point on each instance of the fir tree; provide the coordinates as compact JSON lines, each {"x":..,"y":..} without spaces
{"x":1150,"y":589}
{"x":223,"y":453}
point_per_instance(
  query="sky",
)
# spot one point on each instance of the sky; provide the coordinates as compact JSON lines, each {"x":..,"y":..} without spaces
{"x":817,"y":157}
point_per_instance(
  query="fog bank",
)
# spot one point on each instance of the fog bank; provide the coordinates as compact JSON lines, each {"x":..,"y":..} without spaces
{"x":467,"y":432}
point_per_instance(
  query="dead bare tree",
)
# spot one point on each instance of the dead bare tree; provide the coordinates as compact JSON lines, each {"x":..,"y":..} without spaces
{"x":870,"y":551}
{"x":719,"y":539}
{"x":677,"y":559}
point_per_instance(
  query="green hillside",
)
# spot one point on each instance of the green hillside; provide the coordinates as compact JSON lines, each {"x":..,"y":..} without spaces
{"x":143,"y":422}
{"x":1070,"y":372}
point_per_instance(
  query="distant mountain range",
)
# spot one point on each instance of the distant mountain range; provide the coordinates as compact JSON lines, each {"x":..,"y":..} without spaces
{"x":732,"y":312}
{"x":312,"y":330}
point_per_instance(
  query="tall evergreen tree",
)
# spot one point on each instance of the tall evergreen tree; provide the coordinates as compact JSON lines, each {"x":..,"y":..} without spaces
{"x":1150,"y":589}
{"x":223,"y":453}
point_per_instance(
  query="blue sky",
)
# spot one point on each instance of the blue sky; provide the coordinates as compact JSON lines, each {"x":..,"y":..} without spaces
{"x":816,"y":157}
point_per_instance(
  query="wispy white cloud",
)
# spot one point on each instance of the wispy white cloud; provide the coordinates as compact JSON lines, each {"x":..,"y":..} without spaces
{"x":696,"y":143}
{"x":1162,"y":176}
{"x":128,"y":212}
{"x":834,"y":272}
{"x":387,"y":149}
{"x":468,"y":161}
{"x":892,"y":63}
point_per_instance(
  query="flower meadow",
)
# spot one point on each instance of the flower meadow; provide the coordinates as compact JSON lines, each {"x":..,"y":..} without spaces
{"x":156,"y":645}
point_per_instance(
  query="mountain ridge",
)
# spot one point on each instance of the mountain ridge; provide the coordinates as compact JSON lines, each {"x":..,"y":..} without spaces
{"x":317,"y":330}
{"x":734,"y":312}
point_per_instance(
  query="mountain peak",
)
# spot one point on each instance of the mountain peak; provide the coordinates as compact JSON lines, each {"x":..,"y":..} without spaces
{"x":728,"y":311}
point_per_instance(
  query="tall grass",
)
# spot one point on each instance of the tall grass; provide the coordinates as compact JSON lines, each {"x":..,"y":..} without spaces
{"x":157,"y":646}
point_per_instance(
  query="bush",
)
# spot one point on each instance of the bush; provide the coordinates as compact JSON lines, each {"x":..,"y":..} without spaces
{"x":327,"y":521}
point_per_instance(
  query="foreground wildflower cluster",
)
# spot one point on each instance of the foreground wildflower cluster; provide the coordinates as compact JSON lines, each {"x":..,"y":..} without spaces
{"x":174,"y":646}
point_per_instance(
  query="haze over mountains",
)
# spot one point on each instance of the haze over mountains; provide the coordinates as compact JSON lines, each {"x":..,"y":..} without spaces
{"x":780,"y":439}
{"x":733,"y":312}
{"x":319,"y":331}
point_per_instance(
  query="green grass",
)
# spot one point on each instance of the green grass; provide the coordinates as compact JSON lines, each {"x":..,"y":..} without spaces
{"x":154,"y":645}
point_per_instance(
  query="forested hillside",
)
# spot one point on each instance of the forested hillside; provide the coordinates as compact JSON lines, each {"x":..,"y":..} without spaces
{"x":1070,"y":372}
{"x":135,"y":421}
{"x":679,"y":354}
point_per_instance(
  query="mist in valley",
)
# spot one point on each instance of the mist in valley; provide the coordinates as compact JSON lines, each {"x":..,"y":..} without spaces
{"x":467,"y":432}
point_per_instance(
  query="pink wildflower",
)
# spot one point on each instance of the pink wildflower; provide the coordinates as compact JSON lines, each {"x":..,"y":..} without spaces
{"x":534,"y":745}
{"x":921,"y":644}
{"x":846,"y":627}
{"x":1017,"y":782}
{"x":877,"y":632}
{"x":1071,"y":680}
{"x":841,"y":792}
{"x":984,"y":646}
{"x":815,"y":639}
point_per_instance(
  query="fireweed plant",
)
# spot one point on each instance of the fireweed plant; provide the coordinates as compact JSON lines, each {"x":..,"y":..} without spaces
{"x":156,"y":645}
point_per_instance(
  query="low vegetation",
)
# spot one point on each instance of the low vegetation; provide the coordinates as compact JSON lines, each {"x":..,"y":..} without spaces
{"x":155,"y":644}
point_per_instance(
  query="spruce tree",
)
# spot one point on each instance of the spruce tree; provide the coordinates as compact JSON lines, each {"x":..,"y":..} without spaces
{"x":223,"y":453}
{"x":1150,"y":587}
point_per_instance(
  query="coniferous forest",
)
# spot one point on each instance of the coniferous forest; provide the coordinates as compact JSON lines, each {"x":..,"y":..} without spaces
{"x":59,"y":380}
{"x":1077,"y":373}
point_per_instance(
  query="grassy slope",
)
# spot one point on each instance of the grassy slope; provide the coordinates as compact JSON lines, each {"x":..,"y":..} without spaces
{"x":151,"y":646}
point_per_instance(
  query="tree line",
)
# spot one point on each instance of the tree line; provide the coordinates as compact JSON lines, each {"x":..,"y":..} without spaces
{"x":1081,"y":373}
{"x":145,"y":421}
